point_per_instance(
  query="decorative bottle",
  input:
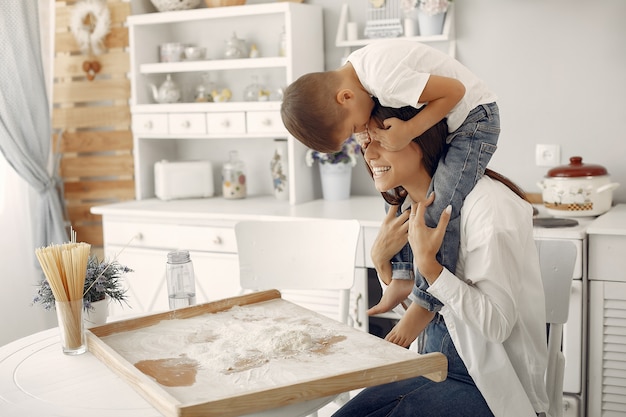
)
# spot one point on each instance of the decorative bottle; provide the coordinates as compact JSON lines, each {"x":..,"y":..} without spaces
{"x":234,"y":177}
{"x":279,"y":169}
{"x":282,"y":43}
{"x":181,"y":285}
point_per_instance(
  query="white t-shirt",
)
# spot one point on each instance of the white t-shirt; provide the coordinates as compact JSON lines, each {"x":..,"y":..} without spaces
{"x":497,"y":323}
{"x":396,"y":71}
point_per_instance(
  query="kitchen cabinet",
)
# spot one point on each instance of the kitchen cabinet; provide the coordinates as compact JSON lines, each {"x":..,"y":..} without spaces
{"x":607,"y":314}
{"x":143,"y":246}
{"x":189,"y":130}
{"x":140,"y":233}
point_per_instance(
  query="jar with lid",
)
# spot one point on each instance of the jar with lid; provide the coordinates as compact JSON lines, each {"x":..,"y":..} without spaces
{"x":181,"y":285}
{"x":234,"y":177}
{"x":204,"y":90}
{"x":256,"y":91}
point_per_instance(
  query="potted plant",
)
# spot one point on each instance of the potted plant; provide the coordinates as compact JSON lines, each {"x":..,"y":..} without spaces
{"x":430,"y":14}
{"x":102,"y":279}
{"x":336,"y":169}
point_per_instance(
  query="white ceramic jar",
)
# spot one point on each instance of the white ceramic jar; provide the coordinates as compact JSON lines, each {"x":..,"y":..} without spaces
{"x":577,"y":190}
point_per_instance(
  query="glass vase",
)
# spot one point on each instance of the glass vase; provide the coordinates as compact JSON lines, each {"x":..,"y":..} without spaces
{"x":71,"y":327}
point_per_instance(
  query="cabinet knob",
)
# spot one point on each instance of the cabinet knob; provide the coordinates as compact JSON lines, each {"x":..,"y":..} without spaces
{"x":186,"y":124}
{"x":267,"y":122}
{"x":225,"y":123}
{"x":148,"y":125}
{"x":139,"y":236}
{"x":217,"y":240}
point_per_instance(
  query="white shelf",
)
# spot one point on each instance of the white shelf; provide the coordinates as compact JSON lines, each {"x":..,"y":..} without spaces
{"x":209,"y":131}
{"x":207,"y":107}
{"x":143,"y":16}
{"x":212,"y":65}
{"x":447,"y":34}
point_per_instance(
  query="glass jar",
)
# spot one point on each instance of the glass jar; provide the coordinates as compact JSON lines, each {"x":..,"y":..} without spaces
{"x":181,"y":285}
{"x":255,"y":91}
{"x":234,"y":177}
{"x":204,"y":90}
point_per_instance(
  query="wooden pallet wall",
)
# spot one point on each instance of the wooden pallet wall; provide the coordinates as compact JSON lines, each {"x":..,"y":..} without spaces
{"x":94,"y":118}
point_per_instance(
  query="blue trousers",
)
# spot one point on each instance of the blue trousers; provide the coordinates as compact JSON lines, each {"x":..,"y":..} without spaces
{"x":457,"y":396}
{"x":470,"y":149}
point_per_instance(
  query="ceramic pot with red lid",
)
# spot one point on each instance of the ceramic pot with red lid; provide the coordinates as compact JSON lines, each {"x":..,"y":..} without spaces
{"x":577,"y":189}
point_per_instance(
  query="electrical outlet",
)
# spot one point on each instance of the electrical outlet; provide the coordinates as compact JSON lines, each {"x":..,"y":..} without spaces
{"x":547,"y":155}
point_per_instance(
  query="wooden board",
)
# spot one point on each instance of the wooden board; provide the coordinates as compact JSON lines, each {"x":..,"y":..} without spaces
{"x":91,"y":119}
{"x":337,"y":358}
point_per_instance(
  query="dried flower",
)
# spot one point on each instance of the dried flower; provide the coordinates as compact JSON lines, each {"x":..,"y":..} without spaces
{"x":101,"y":279}
{"x":347,"y":154}
{"x":408,"y":6}
{"x":433,"y":7}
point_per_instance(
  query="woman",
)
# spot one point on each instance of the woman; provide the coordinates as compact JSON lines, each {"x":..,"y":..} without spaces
{"x":488,"y":320}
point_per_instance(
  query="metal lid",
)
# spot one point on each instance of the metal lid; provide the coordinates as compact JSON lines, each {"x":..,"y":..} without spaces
{"x":576,"y":168}
{"x":178,"y":257}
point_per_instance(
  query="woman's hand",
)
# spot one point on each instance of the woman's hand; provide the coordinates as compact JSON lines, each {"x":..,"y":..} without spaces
{"x":426,"y":241}
{"x":392,"y":236}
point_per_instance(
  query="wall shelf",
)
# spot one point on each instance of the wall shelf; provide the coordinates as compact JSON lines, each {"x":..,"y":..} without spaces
{"x":448,"y":34}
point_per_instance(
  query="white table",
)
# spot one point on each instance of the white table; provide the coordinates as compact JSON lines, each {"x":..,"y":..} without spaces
{"x":37,"y":379}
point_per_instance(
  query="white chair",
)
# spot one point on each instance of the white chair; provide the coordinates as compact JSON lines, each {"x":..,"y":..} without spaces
{"x":311,"y":262}
{"x":556,"y":259}
{"x":307,"y":260}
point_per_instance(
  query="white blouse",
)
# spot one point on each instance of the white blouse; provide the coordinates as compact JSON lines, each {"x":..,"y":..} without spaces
{"x":497,"y":322}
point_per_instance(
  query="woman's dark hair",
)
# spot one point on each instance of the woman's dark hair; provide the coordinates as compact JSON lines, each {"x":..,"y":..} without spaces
{"x":434,"y":147}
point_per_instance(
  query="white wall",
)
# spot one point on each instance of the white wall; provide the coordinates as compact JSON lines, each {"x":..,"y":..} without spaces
{"x":558,"y":67}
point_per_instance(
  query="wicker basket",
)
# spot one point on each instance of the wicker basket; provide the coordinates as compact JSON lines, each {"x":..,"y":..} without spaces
{"x":222,"y":3}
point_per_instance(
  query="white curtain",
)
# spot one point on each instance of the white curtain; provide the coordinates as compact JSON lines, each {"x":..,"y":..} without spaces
{"x":25,"y":126}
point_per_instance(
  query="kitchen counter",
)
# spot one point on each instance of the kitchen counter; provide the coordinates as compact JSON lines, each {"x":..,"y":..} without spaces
{"x":368,"y":210}
{"x":611,"y":223}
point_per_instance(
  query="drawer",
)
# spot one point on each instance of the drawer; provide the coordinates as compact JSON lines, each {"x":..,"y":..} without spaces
{"x":150,"y":123}
{"x":606,"y":257}
{"x":170,"y":236}
{"x":265,"y":122}
{"x":224,"y":123}
{"x":187,"y":123}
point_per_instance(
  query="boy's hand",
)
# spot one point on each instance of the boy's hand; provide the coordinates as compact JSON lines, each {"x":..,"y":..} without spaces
{"x":395,"y":136}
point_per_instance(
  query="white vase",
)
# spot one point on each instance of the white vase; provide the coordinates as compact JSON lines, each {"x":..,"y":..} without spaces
{"x":430,"y":25}
{"x":411,"y":27}
{"x":336,"y":180}
{"x":279,"y":168}
{"x":97,"y":315}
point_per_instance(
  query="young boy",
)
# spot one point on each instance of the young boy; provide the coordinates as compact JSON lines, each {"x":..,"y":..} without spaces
{"x":323,"y":109}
